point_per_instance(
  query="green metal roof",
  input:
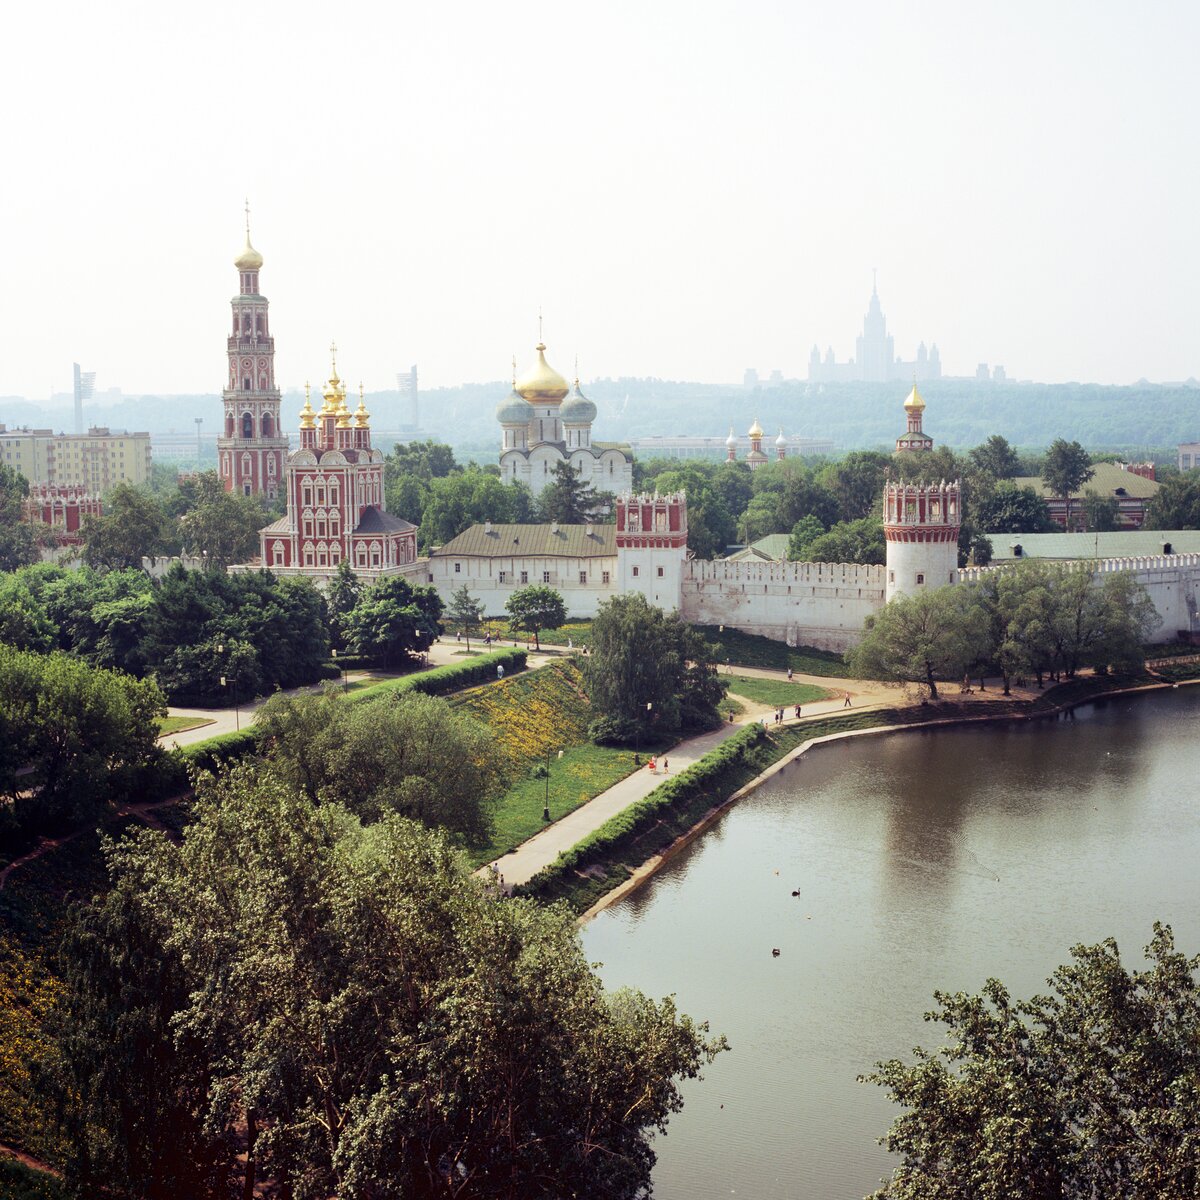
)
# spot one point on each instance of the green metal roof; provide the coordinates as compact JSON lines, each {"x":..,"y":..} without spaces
{"x":523,"y":541}
{"x":1107,"y":479}
{"x":772,"y":548}
{"x":1125,"y":543}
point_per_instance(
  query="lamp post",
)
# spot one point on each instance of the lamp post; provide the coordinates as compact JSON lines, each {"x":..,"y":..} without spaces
{"x":237,"y":720}
{"x":546,"y":806}
{"x":341,"y":669}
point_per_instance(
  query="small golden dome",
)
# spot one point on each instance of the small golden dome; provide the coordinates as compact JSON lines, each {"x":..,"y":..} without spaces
{"x":914,"y":400}
{"x":307,"y":416}
{"x":249,"y":259}
{"x":756,"y":429}
{"x":361,"y":416}
{"x":343,"y":414}
{"x":542,"y":384}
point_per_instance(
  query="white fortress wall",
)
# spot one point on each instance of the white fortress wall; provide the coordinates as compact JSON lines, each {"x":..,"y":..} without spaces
{"x":813,"y":604}
{"x":1172,"y":581}
{"x":583,"y":582}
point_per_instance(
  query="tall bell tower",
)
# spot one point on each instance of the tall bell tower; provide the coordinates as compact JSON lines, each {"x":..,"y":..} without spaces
{"x":252,"y":449}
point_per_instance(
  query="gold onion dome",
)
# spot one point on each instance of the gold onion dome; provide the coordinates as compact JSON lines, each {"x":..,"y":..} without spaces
{"x":542,"y":384}
{"x":361,"y":416}
{"x":307,"y":416}
{"x":249,"y":259}
{"x":914,"y":401}
{"x":343,"y":413}
{"x":756,"y":429}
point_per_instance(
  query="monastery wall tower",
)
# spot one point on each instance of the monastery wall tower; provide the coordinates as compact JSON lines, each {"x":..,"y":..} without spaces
{"x":252,"y":449}
{"x":921,"y":523}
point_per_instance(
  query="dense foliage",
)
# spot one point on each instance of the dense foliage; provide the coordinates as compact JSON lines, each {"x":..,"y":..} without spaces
{"x":17,"y":543}
{"x":1176,"y":505}
{"x":290,"y":995}
{"x":1035,"y":619}
{"x":648,"y":672}
{"x":1090,"y":1090}
{"x":393,"y":621}
{"x":409,"y":754}
{"x":72,"y":738}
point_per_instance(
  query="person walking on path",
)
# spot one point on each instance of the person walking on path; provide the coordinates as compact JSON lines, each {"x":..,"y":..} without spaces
{"x":666,"y":766}
{"x":789,"y":674}
{"x":797,"y":712}
{"x":847,"y":704}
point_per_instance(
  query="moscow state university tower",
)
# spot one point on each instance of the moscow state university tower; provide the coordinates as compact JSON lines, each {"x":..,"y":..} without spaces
{"x":252,"y":449}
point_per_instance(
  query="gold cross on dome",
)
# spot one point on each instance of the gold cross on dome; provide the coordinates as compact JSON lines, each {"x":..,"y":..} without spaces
{"x":247,"y":216}
{"x":333,"y":356}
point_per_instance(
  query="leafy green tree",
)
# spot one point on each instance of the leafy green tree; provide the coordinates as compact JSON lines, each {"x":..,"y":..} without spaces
{"x":803,"y":496}
{"x":921,"y":638}
{"x":761,"y":517}
{"x":995,"y":458}
{"x":219,"y":671}
{"x":426,"y":460}
{"x":857,"y":481}
{"x":24,"y":622}
{"x":566,"y":498}
{"x":1101,"y":622}
{"x":1019,"y":603}
{"x":407,"y":496}
{"x":1176,"y":504}
{"x":534,"y":608}
{"x":131,"y":527}
{"x":1100,"y":513}
{"x":17,"y":541}
{"x":394,"y":620}
{"x":221,"y":526}
{"x":74,"y":737}
{"x":412,"y":754}
{"x":465,"y":612}
{"x":1007,"y":508}
{"x":1090,"y":1090}
{"x":804,"y":533}
{"x":642,"y":656}
{"x":1067,"y":467}
{"x":734,"y":484}
{"x":466,"y":498}
{"x":344,"y":592}
{"x":711,"y":525}
{"x":419,"y":1037}
{"x":859,"y":541}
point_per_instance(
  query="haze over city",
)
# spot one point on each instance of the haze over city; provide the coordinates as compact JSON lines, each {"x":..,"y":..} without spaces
{"x":684,"y":190}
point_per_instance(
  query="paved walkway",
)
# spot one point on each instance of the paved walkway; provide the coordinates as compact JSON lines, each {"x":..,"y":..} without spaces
{"x":543,"y":848}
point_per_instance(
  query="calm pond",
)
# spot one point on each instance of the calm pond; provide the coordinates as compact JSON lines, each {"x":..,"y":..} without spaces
{"x":923,"y":861}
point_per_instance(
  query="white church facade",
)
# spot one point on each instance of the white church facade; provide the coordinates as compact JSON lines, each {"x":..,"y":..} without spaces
{"x":541,"y":426}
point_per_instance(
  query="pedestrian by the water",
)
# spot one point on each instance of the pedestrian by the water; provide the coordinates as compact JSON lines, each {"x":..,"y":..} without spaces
{"x":847,"y":704}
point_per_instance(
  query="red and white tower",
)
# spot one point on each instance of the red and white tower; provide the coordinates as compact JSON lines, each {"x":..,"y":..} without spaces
{"x":921,"y":522}
{"x":252,"y":450}
{"x":652,"y":546}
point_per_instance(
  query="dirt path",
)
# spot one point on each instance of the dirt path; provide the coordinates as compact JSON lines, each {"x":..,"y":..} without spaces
{"x":27,"y":1160}
{"x":143,"y":812}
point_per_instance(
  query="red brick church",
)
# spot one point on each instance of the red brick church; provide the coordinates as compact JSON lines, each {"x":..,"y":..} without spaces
{"x":335,"y":503}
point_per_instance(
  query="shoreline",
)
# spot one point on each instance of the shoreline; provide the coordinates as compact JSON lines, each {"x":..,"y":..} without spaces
{"x":657,"y":861}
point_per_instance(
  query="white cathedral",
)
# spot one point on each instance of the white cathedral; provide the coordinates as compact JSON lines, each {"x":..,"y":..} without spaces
{"x":543,"y":427}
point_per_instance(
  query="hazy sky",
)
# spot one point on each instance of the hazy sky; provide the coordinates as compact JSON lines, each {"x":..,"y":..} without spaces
{"x":685,"y":189}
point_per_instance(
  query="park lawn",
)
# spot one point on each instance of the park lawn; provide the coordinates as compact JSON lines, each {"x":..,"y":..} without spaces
{"x":181,"y":724}
{"x":578,"y":633}
{"x":752,"y":650}
{"x":581,"y":774}
{"x":775,"y":691}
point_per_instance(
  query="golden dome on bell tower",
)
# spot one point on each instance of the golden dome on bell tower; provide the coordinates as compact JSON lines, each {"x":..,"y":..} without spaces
{"x":914,"y":399}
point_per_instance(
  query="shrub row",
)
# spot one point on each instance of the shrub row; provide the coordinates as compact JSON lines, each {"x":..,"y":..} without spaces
{"x":172,"y":775}
{"x":707,"y":778}
{"x":453,"y":678}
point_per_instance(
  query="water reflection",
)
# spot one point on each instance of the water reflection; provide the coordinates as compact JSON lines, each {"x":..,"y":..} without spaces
{"x":895,"y":845}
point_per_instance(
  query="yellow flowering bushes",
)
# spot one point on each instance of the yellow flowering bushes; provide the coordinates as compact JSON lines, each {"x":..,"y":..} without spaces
{"x":533,"y":714}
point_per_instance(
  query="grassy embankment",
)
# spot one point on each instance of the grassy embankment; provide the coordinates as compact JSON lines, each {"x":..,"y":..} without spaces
{"x":181,"y":724}
{"x":532,"y":717}
{"x":776,"y":692}
{"x":18,"y":1182}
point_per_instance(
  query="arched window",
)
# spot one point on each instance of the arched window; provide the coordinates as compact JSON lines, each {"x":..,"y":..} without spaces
{"x":246,"y":488}
{"x":374,"y":554}
{"x":258,"y":323}
{"x":278,"y":554}
{"x":308,"y":555}
{"x":247,"y":425}
{"x":307,"y":490}
{"x":333,"y":493}
{"x":308,"y":525}
{"x":322,"y":556}
{"x":361,"y":554}
{"x":266,"y":425}
{"x":335,"y":552}
{"x":229,"y":425}
{"x":335,"y":523}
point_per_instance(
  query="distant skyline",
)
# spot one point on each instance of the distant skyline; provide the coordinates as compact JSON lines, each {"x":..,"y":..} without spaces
{"x":684,"y":190}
